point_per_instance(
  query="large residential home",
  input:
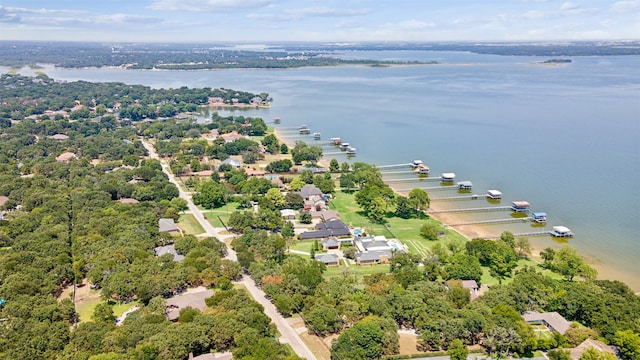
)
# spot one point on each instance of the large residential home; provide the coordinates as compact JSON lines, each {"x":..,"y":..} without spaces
{"x":330,"y":244}
{"x":325,"y":215}
{"x":333,"y":228}
{"x":317,"y":203}
{"x":551,"y":320}
{"x":376,"y":249}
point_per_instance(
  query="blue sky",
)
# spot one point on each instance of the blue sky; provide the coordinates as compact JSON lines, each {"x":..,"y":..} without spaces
{"x":257,"y":21}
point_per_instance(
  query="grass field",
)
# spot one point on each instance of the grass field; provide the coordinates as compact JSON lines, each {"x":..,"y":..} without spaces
{"x":406,"y":230}
{"x":303,"y":246}
{"x":223,"y":212}
{"x":190,"y":225}
{"x":359,"y":272}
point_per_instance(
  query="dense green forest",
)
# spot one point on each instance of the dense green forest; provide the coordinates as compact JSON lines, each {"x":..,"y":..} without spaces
{"x":62,"y":224}
{"x":163,"y":56}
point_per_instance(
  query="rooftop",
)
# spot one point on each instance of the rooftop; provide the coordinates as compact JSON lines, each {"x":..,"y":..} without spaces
{"x":168,"y":249}
{"x":167,"y":225}
{"x":554,"y":320}
{"x":193,"y":300}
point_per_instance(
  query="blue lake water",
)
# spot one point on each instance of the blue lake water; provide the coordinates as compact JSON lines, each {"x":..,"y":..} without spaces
{"x":565,"y":138}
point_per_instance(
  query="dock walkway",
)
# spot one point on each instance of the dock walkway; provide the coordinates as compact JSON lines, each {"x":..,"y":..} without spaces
{"x":479,"y":209}
{"x":489,"y":222}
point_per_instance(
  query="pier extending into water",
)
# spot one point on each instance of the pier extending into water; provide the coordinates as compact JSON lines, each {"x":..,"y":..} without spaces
{"x":461,"y":197}
{"x":413,"y":179}
{"x":478,"y":209}
{"x":489,"y":222}
{"x":393,"y":165}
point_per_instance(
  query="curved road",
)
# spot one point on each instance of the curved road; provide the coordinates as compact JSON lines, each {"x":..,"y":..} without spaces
{"x":289,"y":334}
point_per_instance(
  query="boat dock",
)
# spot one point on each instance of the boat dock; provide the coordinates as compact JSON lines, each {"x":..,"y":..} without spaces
{"x":478,"y":209}
{"x":489,"y":222}
{"x":412,"y":179}
{"x":461,"y":197}
{"x":393,"y":165}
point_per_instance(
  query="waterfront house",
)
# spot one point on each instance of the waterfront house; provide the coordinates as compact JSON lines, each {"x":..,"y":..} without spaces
{"x":448,"y":177}
{"x":520,"y":206}
{"x":551,"y":320}
{"x":465,"y":185}
{"x":167,"y":225}
{"x":328,"y":259}
{"x":494,"y":194}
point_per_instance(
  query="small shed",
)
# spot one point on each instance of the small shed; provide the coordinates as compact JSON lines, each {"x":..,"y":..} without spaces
{"x":66,"y":157}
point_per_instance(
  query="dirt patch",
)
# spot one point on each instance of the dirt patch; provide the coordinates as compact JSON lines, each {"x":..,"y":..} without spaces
{"x":84,"y":292}
{"x":408,"y":344}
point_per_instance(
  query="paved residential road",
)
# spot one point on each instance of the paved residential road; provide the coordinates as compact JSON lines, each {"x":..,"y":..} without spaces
{"x":289,"y":334}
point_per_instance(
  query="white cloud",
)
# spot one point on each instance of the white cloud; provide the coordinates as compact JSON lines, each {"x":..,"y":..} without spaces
{"x":125,"y":18}
{"x":329,"y":12}
{"x":624,"y":6}
{"x":569,"y":6}
{"x":216,"y":6}
{"x":40,"y":11}
{"x":415,"y":25}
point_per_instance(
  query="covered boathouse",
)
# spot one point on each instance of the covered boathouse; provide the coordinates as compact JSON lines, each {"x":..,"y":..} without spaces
{"x":520,"y":206}
{"x":539,"y":217}
{"x":448,"y":177}
{"x":465,"y":185}
{"x":561,"y":231}
{"x":494,"y":194}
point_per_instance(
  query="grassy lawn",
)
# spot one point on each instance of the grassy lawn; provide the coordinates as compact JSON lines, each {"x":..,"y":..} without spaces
{"x":85,"y":308}
{"x":190,"y":225}
{"x":223,"y":212}
{"x":406,"y":230}
{"x":119,"y":309}
{"x":303,"y":246}
{"x":359,"y":272}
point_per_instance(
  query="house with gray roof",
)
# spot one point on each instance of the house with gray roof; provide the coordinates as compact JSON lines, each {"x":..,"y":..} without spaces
{"x":328,"y":259}
{"x":325,"y":215}
{"x":551,"y":320}
{"x":167,"y":225}
{"x":309,"y":190}
{"x":578,"y":351}
{"x":168,"y":249}
{"x":193,"y":300}
{"x":330,"y":244}
{"x":333,"y":228}
{"x":373,"y":257}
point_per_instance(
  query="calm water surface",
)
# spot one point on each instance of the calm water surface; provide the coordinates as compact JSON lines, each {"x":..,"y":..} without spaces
{"x":565,"y":138}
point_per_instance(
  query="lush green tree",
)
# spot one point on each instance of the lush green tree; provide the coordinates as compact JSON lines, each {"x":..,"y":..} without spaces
{"x":403,"y":208}
{"x":568,"y":263}
{"x":419,"y":199}
{"x":377,"y":209}
{"x":629,"y":343}
{"x":279,"y":166}
{"x":362,"y":341}
{"x":559,"y":354}
{"x":457,"y":350}
{"x":305,"y":217}
{"x":284,"y":149}
{"x":463,"y":267}
{"x":594,"y":354}
{"x":294,"y":200}
{"x":334,"y":166}
{"x":275,"y":199}
{"x":270,"y":142}
{"x":296,"y":184}
{"x":103,"y":314}
{"x":323,"y":319}
{"x":429,"y":231}
{"x":210,"y":195}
